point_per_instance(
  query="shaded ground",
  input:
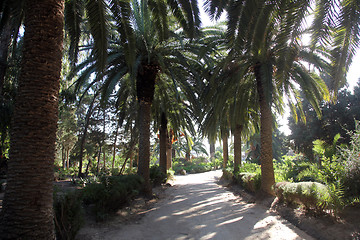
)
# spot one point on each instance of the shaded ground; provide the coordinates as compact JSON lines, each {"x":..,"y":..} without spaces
{"x":196,"y":207}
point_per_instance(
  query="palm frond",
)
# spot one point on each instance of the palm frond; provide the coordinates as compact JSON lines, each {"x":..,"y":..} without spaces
{"x":98,"y":21}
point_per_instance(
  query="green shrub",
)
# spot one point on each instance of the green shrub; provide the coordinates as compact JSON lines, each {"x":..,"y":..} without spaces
{"x":197,"y":165}
{"x":69,"y":214}
{"x":250,"y":181}
{"x":111,"y":193}
{"x":227,"y":174}
{"x":350,"y":156}
{"x":157,"y":177}
{"x":311,"y":195}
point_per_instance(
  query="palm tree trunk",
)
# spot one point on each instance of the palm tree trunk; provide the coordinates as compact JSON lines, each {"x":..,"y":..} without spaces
{"x":266,"y":121}
{"x":144,"y":145}
{"x":212,"y":149}
{"x":63,"y":158}
{"x":27,"y":207}
{"x":67,"y":152}
{"x":114,"y":146}
{"x":237,"y":147}
{"x":145,"y":87}
{"x":98,"y":162}
{"x":225,"y":150}
{"x":169,"y":150}
{"x":83,"y":138}
{"x":163,"y":143}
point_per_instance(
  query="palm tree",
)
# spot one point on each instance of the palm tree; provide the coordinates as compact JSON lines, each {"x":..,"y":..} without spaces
{"x":229,"y":99}
{"x":27,"y":210}
{"x":267,"y":48}
{"x":172,"y":111}
{"x":152,"y":55}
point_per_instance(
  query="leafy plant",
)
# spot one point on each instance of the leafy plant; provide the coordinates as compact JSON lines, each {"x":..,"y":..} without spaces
{"x":350,"y":156}
{"x":69,"y":214}
{"x":111,"y":193}
{"x":157,"y":177}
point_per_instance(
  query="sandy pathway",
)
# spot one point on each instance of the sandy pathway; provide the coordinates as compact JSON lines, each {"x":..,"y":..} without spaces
{"x":197,"y":208}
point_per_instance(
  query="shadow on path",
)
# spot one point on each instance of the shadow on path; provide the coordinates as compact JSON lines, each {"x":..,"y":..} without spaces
{"x":197,"y":208}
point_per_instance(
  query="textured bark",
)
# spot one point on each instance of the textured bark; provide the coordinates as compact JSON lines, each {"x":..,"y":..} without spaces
{"x":169,"y":150}
{"x":163,"y":143}
{"x":144,"y":145}
{"x":212,"y":149}
{"x":266,"y":158}
{"x":27,"y":209}
{"x":145,"y":86}
{"x":237,"y":147}
{"x":225,"y":150}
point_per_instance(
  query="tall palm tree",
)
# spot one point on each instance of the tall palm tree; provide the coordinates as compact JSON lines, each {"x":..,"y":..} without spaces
{"x":267,"y":47}
{"x":152,"y":54}
{"x":172,"y":110}
{"x":27,"y":210}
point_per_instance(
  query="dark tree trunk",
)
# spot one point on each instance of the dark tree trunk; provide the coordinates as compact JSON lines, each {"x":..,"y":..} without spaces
{"x":163,"y":143}
{"x":145,"y":87}
{"x":237,"y":147}
{"x":88,"y":166}
{"x":63,"y":158}
{"x":114,"y":146}
{"x":169,"y":150}
{"x":187,"y":156}
{"x":27,"y":207}
{"x":83,"y":138}
{"x":225,"y":150}
{"x":266,"y":160}
{"x":212,"y":149}
{"x":144,"y":145}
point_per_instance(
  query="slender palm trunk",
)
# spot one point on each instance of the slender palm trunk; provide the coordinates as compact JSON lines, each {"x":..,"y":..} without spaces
{"x":237,"y":147}
{"x":144,"y":145}
{"x":163,"y":138}
{"x":266,"y":120}
{"x":169,"y":152}
{"x":27,"y":207}
{"x":114,"y":146}
{"x":63,"y":158}
{"x":83,"y":138}
{"x":145,"y":87}
{"x":212,"y":149}
{"x":225,"y":150}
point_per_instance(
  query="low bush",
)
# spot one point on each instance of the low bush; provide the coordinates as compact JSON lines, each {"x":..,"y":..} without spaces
{"x":195,"y":166}
{"x":227,"y":174}
{"x":311,"y":195}
{"x":250,"y":181}
{"x":157,"y":177}
{"x":69,"y":215}
{"x":111,"y":193}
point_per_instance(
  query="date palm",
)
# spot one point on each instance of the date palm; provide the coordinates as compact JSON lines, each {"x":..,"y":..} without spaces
{"x":27,"y":209}
{"x":152,"y":54}
{"x":268,"y":48}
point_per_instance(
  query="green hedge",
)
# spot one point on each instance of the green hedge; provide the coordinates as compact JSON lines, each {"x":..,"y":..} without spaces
{"x":111,"y":193}
{"x":311,"y":195}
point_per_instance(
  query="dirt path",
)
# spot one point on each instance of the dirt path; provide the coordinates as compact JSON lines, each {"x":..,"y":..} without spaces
{"x":198,"y":208}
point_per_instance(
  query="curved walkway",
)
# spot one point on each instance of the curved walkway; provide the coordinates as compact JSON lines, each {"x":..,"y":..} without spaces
{"x":198,"y":208}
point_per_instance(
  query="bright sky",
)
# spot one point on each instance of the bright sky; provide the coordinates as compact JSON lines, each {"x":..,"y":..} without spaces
{"x":352,"y":76}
